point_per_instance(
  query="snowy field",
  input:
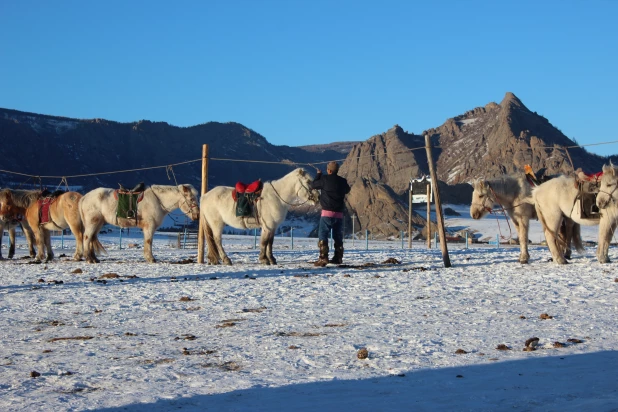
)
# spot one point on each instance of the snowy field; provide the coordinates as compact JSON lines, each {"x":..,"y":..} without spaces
{"x":125,"y":335}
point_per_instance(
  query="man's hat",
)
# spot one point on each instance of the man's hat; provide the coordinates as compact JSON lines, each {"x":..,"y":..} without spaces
{"x":333,"y":167}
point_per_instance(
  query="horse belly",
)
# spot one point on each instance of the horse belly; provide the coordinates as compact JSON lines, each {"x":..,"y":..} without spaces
{"x":124,"y":223}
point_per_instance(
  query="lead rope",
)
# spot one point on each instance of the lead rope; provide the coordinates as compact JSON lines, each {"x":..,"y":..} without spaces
{"x":503,"y":211}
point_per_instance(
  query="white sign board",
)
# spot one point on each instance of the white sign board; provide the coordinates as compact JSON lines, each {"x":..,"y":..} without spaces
{"x":418,"y":187}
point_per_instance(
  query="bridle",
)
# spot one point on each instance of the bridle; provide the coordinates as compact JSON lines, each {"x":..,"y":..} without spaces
{"x":310,"y":195}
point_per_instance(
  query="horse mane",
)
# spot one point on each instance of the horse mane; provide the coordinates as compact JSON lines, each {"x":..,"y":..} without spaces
{"x":515,"y":186}
{"x":21,"y":198}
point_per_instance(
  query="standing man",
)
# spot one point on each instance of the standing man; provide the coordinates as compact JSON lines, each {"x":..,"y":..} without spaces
{"x":333,"y":190}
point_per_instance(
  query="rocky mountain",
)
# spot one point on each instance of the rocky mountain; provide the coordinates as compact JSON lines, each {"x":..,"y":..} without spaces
{"x":55,"y":146}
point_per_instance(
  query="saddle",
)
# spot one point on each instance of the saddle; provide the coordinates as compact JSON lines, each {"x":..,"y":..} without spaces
{"x":45,"y":201}
{"x":128,"y":200}
{"x":246,"y":196}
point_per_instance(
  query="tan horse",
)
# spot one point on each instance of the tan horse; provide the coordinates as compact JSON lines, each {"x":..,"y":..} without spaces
{"x":63,"y":213}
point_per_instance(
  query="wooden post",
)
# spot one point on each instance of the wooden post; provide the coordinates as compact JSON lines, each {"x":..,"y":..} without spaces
{"x":410,"y":220}
{"x":429,"y":216}
{"x":202,"y":229}
{"x":438,"y":203}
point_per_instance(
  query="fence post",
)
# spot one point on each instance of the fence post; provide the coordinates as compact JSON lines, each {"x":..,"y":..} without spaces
{"x":435,"y":239}
{"x":255,"y":238}
{"x":120,"y":245}
{"x":401,"y":239}
{"x":438,"y":203}
{"x":498,"y":241}
{"x":184,"y":240}
{"x":429,"y":217}
{"x":292,"y":236}
{"x":62,"y":239}
{"x":367,"y":239}
{"x":201,"y":228}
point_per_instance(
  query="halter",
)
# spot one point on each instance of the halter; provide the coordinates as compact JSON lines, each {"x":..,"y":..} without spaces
{"x":309,"y":196}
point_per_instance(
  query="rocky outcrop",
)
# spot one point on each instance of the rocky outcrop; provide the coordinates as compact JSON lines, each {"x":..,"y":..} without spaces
{"x":500,"y":139}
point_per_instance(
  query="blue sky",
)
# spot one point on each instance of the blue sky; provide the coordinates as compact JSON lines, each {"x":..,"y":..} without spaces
{"x":308,"y":72}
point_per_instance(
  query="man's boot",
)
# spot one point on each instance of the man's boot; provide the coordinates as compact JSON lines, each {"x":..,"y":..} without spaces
{"x":323,"y":260}
{"x":338,"y":257}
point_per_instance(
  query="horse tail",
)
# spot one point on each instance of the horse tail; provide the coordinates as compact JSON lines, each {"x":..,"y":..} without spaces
{"x":577,"y":238}
{"x":213,"y":250}
{"x":97,"y":246}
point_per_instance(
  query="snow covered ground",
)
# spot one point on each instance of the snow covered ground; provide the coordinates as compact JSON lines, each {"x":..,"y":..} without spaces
{"x":175,"y":335}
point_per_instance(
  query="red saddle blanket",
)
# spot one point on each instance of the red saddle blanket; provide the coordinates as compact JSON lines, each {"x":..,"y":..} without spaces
{"x":255,"y":187}
{"x":44,"y":212}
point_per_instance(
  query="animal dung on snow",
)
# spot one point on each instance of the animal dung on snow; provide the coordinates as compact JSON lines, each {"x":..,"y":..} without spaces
{"x":545,"y":316}
{"x":362,"y":353}
{"x":532,"y":342}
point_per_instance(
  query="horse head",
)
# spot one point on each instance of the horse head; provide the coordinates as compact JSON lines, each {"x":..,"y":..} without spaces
{"x":311,"y":195}
{"x":8,"y":210}
{"x":482,"y":199}
{"x":189,"y":203}
{"x":609,"y":183}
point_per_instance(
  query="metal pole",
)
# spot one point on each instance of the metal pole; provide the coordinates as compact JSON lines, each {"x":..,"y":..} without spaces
{"x":366,"y":239}
{"x":498,"y":241}
{"x":120,"y":246}
{"x":353,"y":232}
{"x":435,"y":239}
{"x":410,"y":219}
{"x":62,"y":239}
{"x":401,"y":239}
{"x":292,"y":236}
{"x":254,"y":238}
{"x":184,"y":240}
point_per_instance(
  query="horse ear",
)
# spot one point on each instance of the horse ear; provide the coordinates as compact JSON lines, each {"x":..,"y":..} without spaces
{"x":184,"y":188}
{"x":607,"y":169}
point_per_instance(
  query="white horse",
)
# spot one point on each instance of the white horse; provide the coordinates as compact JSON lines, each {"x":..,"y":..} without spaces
{"x":218,"y":209}
{"x":607,"y":201}
{"x":98,"y":207}
{"x":559,"y":198}
{"x":513,"y":194}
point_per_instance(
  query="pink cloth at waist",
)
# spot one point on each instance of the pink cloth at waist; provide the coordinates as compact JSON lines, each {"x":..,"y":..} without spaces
{"x":328,"y":213}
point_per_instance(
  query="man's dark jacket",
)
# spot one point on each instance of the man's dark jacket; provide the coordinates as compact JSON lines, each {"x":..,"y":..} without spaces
{"x":334,"y":188}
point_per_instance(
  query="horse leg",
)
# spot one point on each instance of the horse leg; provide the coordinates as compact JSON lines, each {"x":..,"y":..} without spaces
{"x":148,"y":234}
{"x":218,"y":236}
{"x":1,"y":236}
{"x":11,"y":243}
{"x":50,"y":252}
{"x":522,"y":225}
{"x":264,"y":239}
{"x":213,"y":250}
{"x":551,"y":225}
{"x":607,"y":226}
{"x":566,"y":234}
{"x":90,"y":236}
{"x":29,"y":238}
{"x":269,"y":250}
{"x":39,"y":236}
{"x":78,"y":232}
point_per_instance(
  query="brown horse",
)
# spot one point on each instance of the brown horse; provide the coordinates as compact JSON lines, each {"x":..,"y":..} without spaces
{"x":63,"y":213}
{"x":11,"y":225}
